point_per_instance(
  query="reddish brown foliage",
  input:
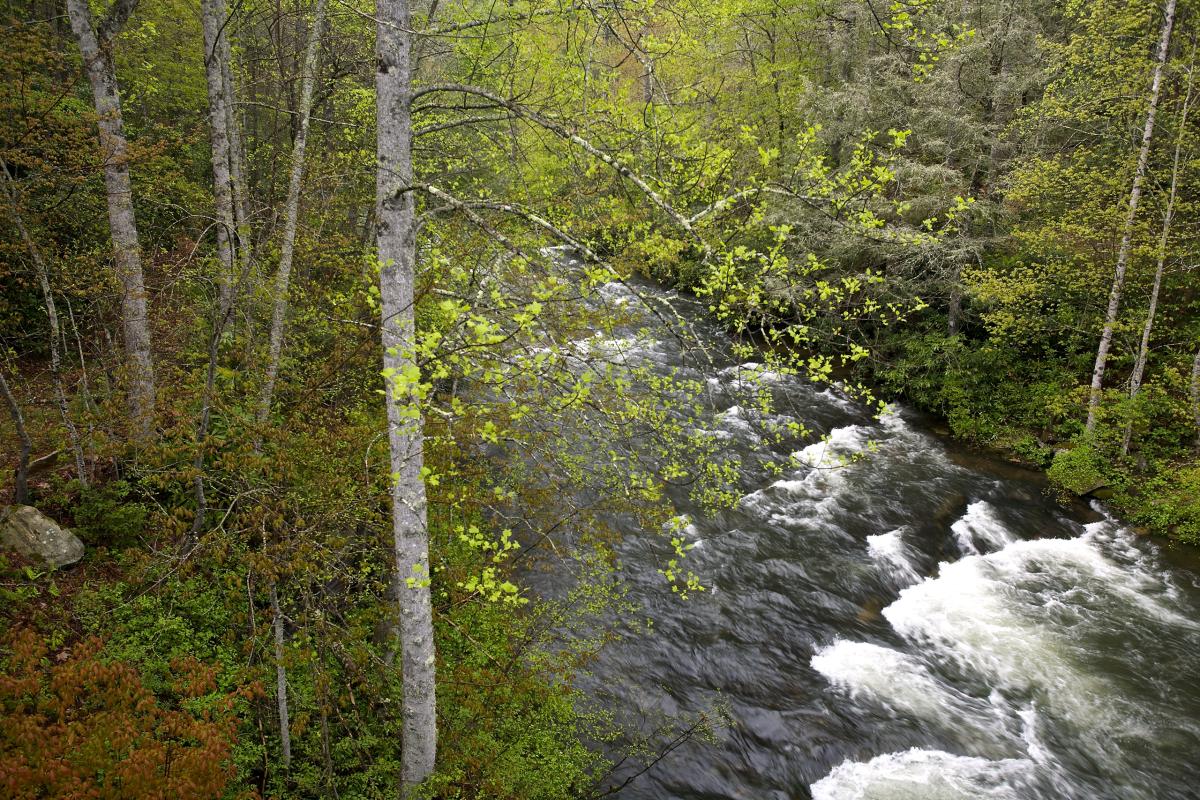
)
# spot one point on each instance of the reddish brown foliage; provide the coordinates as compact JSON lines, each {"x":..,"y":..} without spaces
{"x":86,"y":728}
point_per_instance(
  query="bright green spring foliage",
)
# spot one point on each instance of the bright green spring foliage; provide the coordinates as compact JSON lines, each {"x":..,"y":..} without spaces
{"x":915,"y":199}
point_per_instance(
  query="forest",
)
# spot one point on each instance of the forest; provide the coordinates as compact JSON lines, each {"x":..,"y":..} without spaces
{"x":323,"y":345}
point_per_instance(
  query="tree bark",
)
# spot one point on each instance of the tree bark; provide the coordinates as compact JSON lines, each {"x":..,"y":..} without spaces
{"x":237,"y":154}
{"x":291,"y":217}
{"x":396,"y":242}
{"x":243,"y":237}
{"x":281,"y":698}
{"x":954,"y":305}
{"x":214,"y":22}
{"x":21,"y":477}
{"x":243,"y":231}
{"x":215,"y":48}
{"x":1135,"y":193}
{"x":1139,"y":367}
{"x":96,"y":48}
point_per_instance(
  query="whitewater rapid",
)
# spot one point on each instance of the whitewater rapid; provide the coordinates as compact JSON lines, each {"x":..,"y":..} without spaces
{"x":892,"y":618}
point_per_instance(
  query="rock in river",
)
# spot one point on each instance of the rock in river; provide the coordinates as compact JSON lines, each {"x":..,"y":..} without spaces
{"x":32,"y":534}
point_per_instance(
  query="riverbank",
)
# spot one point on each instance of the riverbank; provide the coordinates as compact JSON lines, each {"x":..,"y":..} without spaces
{"x":1156,"y":495}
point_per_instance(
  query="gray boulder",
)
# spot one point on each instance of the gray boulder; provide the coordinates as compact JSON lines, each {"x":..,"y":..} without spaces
{"x":33,"y":535}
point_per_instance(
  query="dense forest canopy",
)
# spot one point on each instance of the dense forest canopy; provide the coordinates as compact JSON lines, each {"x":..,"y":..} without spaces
{"x":287,"y":302}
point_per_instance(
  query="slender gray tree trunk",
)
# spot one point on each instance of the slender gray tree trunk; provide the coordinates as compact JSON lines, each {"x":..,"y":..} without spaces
{"x":21,"y":478}
{"x":219,"y":115}
{"x":241,"y":215}
{"x":96,"y":48}
{"x":233,"y":269}
{"x":279,"y":304}
{"x":43,"y":274}
{"x":1135,"y":194}
{"x":281,"y":698}
{"x":1139,"y":367}
{"x":237,"y":154}
{"x":243,"y":232}
{"x":954,"y":306}
{"x":1003,"y":103}
{"x":396,"y":241}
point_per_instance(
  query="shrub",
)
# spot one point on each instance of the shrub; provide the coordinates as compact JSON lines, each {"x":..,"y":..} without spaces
{"x":1078,"y":469}
{"x":104,"y":516}
{"x":83,"y":727}
{"x":1170,"y":502}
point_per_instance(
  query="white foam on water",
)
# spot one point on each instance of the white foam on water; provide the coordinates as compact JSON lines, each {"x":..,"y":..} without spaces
{"x":814,"y":484}
{"x":830,"y":451}
{"x":755,"y":501}
{"x":735,"y":419}
{"x":809,"y":502}
{"x":968,"y":612}
{"x":751,"y":370}
{"x":988,"y":613}
{"x":617,"y":292}
{"x":1113,"y":537}
{"x":1033,"y":745}
{"x":1142,"y":582}
{"x":840,"y":400}
{"x":889,"y":551}
{"x":980,"y":529}
{"x":810,"y":498}
{"x":896,"y":680}
{"x":918,"y":774}
{"x":891,"y":421}
{"x":685,"y":529}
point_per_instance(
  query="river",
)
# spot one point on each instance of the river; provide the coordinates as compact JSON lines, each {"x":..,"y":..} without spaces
{"x":917,"y":623}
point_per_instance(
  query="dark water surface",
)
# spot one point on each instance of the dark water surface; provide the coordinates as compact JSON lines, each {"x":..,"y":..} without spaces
{"x":917,"y":624}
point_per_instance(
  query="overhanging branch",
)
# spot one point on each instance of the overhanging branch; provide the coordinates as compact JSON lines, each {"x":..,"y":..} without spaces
{"x":567,"y":134}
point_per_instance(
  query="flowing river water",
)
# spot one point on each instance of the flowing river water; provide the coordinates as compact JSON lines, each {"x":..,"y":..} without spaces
{"x":919,"y":623}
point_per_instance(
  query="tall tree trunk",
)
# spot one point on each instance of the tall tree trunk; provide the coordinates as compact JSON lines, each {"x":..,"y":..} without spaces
{"x":224,"y":312}
{"x":291,"y":216}
{"x":43,"y":274}
{"x":241,"y":215}
{"x":1135,"y":193}
{"x":237,"y":153}
{"x":231,"y":278}
{"x":215,"y":49}
{"x":1139,"y":367}
{"x":96,"y":48}
{"x":397,"y":252}
{"x":21,"y":477}
{"x":954,"y":305}
{"x":281,"y":697}
{"x":244,"y":234}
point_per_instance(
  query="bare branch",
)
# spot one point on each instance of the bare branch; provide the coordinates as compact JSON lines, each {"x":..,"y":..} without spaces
{"x":442,"y":126}
{"x":677,"y":327}
{"x":568,"y":134}
{"x":447,"y":30}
